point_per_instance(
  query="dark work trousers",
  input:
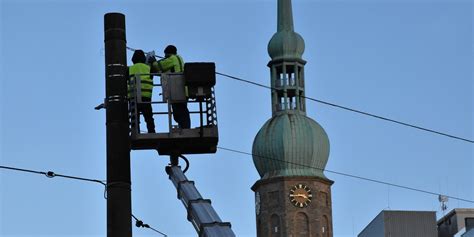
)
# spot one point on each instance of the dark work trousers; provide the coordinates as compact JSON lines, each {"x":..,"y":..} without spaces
{"x":181,"y":115}
{"x":147,"y":112}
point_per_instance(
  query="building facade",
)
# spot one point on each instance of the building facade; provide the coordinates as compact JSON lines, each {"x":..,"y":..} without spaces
{"x":402,"y":224}
{"x":457,"y":220}
{"x":291,"y":150}
{"x":469,"y":233}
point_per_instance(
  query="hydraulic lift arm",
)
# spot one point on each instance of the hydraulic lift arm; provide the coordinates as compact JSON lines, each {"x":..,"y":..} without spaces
{"x":200,"y":212}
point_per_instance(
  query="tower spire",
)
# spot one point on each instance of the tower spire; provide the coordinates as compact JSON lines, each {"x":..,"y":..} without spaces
{"x":286,"y":49}
{"x":297,"y":145}
{"x":285,"y":44}
{"x":285,"y":16}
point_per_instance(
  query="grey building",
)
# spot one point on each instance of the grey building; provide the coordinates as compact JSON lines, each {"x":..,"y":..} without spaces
{"x":469,"y":222}
{"x":469,"y":233}
{"x":457,"y":220}
{"x":402,"y":224}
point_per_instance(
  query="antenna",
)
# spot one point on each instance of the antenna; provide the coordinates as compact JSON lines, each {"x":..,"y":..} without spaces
{"x":388,"y":197}
{"x":443,"y":201}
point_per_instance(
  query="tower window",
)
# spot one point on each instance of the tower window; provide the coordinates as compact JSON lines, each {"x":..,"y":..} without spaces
{"x":281,"y":79}
{"x":275,"y":226}
{"x":325,"y":227}
{"x":259,"y":228}
{"x":291,"y":79}
{"x":292,"y":104}
{"x":300,"y":76}
{"x":283,"y":105}
{"x":287,"y":78}
{"x":301,"y":225}
{"x":324,"y":198}
{"x":302,"y":104}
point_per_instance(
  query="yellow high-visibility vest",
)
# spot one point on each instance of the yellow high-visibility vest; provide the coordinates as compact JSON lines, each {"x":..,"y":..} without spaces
{"x":173,"y":63}
{"x":146,"y":80}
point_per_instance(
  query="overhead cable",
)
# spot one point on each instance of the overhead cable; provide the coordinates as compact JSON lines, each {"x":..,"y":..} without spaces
{"x":152,"y":53}
{"x":147,"y":54}
{"x":355,"y":110}
{"x":139,"y":223}
{"x":51,"y":174}
{"x":349,"y":175}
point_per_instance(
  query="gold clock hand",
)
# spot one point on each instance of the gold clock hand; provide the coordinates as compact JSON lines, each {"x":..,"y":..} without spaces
{"x":299,"y":195}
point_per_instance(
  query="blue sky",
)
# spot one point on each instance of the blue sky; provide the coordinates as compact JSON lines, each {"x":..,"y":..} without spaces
{"x":410,"y":60}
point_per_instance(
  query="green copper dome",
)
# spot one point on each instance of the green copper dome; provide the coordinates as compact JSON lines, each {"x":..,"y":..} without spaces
{"x":289,"y":145}
{"x":286,"y":44}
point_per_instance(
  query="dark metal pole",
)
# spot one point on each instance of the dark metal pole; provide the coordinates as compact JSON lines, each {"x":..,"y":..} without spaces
{"x":119,"y":223}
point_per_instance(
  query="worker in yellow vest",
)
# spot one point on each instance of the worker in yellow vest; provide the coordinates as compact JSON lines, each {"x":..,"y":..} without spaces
{"x":139,"y":67}
{"x":173,"y":63}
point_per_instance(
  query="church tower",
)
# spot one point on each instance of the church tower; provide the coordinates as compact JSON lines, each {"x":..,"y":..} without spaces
{"x":290,"y":152}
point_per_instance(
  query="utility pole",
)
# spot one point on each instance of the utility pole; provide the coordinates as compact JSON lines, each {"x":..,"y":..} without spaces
{"x":119,"y":223}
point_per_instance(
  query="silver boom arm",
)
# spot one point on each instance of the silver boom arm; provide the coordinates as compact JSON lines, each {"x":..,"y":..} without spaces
{"x":200,"y":212}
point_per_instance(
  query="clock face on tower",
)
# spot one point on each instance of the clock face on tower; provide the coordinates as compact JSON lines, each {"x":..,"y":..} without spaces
{"x":300,"y":195}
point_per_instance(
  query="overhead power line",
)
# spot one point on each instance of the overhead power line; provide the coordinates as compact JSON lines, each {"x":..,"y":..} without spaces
{"x":139,"y":223}
{"x":349,"y":175}
{"x":355,"y":110}
{"x":51,"y":174}
{"x":152,"y":53}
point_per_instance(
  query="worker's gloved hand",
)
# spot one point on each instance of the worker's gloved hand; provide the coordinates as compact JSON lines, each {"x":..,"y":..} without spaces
{"x":151,"y":59}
